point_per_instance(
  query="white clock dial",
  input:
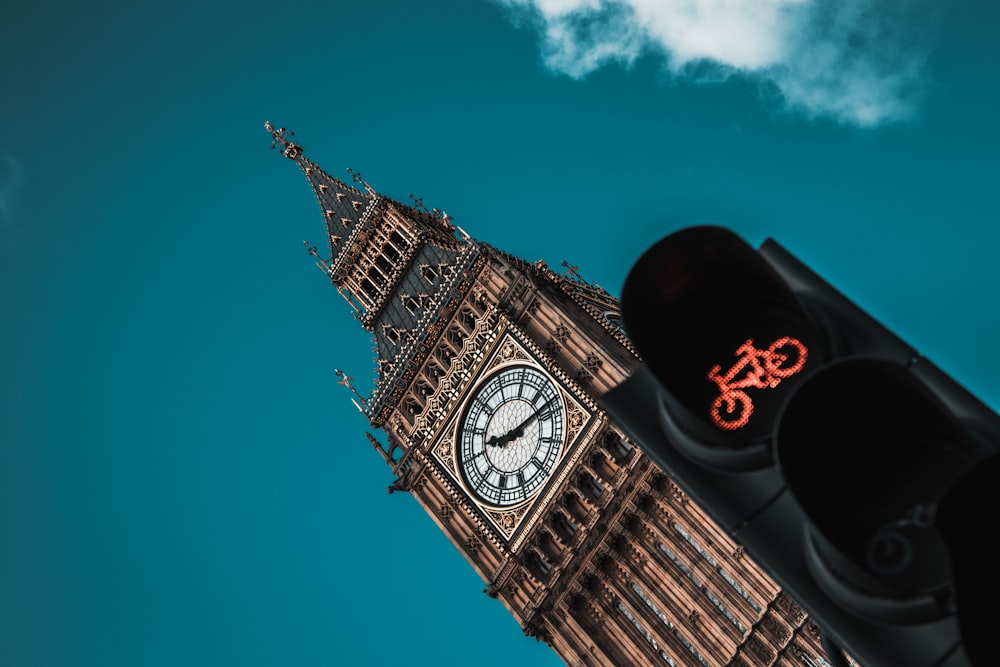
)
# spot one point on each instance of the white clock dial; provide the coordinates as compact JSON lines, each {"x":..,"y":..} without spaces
{"x":512,"y":434}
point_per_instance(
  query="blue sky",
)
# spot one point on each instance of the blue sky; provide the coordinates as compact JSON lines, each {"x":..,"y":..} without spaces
{"x":182,"y":481}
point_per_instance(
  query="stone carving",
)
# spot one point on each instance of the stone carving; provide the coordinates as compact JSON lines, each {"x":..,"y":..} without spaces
{"x":761,"y":650}
{"x":507,"y":520}
{"x":444,"y":452}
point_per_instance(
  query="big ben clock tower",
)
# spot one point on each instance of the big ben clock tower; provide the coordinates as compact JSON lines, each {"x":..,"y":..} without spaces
{"x":489,"y":369}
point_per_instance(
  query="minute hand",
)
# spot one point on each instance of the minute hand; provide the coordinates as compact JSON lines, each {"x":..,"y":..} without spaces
{"x":518,"y":430}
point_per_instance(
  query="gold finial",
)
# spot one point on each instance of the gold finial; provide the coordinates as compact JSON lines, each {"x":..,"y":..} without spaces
{"x":324,"y":265}
{"x":281,"y":136}
{"x":356,"y":177}
{"x":573,"y":271}
{"x":418,"y":202}
{"x":345,"y":380}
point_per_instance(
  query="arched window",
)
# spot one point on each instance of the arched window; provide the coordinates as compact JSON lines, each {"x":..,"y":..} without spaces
{"x":564,"y":526}
{"x":410,"y":303}
{"x":591,"y":487}
{"x":376,"y":276}
{"x":383,"y":263}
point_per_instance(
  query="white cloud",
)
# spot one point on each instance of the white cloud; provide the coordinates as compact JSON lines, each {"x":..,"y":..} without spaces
{"x":10,"y":181}
{"x":854,"y":61}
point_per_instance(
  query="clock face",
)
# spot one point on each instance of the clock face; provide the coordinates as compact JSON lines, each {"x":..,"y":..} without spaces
{"x":512,"y":433}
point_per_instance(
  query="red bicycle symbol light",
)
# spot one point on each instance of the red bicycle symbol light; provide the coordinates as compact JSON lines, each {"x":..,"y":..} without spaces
{"x":758,"y":369}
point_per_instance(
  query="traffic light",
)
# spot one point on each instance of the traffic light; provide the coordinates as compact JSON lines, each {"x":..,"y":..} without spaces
{"x":849,"y":466}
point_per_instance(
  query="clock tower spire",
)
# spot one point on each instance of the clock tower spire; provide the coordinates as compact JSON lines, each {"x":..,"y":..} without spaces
{"x":489,"y":369}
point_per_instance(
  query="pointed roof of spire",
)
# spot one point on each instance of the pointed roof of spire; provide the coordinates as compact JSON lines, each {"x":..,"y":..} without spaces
{"x":343,"y":205}
{"x":399,"y":266}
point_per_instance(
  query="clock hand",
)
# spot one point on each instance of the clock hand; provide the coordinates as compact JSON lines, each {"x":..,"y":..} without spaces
{"x":518,"y":430}
{"x":501,"y":440}
{"x":534,"y":415}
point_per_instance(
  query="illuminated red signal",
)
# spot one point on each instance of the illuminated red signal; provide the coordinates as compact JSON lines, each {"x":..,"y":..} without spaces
{"x":765,"y":369}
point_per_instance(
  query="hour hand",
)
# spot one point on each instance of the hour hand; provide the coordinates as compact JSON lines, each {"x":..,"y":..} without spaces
{"x":501,"y":440}
{"x":509,"y":436}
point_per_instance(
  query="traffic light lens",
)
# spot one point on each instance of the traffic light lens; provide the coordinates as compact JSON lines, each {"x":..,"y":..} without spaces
{"x":754,"y":369}
{"x":868,"y":452}
{"x":721,"y":331}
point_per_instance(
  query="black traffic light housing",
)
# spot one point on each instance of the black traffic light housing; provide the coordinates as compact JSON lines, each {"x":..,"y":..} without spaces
{"x":821,"y":441}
